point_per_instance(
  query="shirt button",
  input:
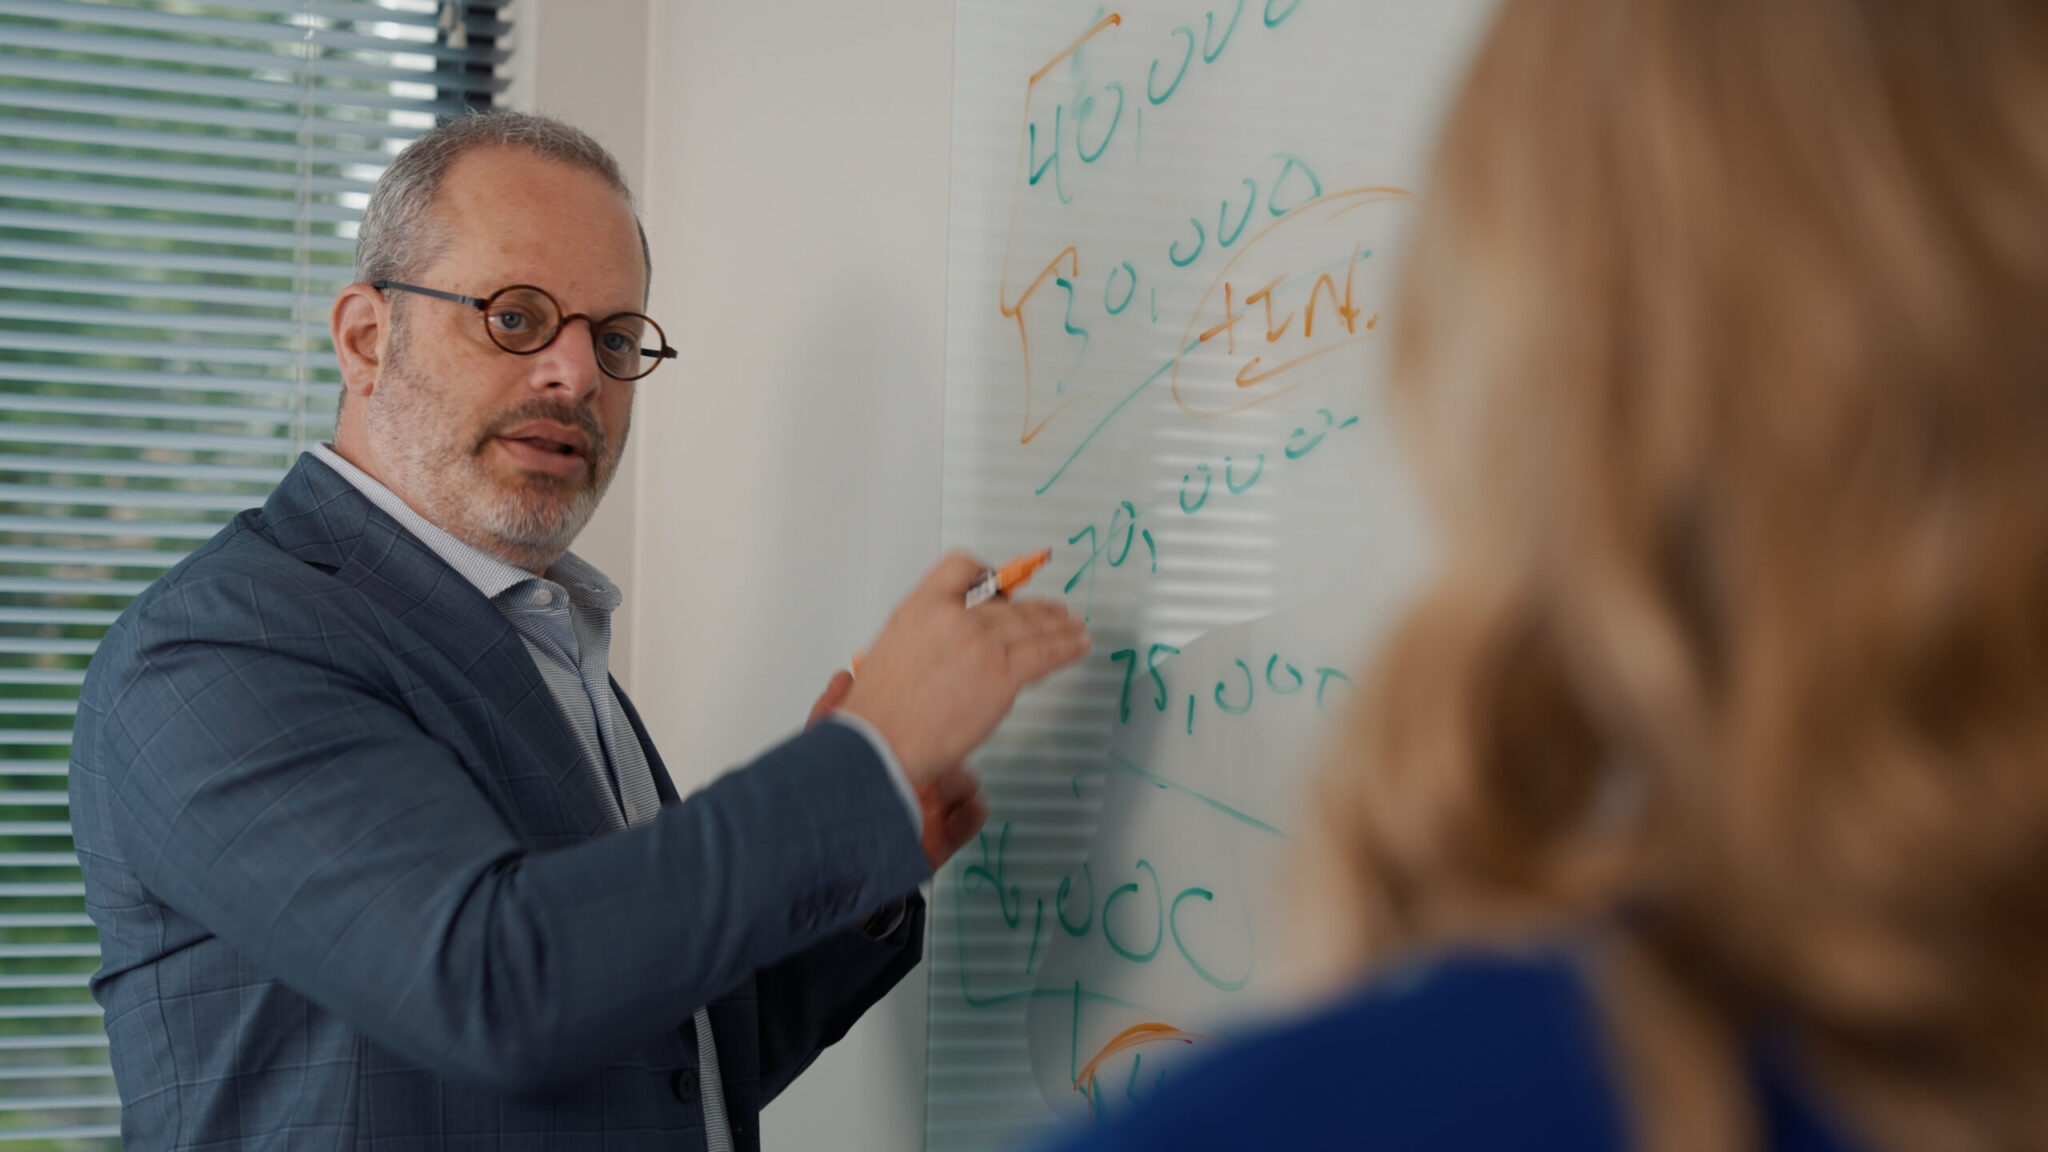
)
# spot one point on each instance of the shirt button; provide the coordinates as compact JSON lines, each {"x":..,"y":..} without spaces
{"x":684,"y":1084}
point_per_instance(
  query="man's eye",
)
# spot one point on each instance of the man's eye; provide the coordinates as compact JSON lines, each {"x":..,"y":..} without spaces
{"x":511,"y":321}
{"x":617,"y":342}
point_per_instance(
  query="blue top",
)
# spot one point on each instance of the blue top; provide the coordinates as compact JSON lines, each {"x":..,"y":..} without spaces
{"x":1473,"y":1050}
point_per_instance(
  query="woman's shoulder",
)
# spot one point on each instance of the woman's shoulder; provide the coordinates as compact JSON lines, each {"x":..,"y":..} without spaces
{"x":1472,"y":1048}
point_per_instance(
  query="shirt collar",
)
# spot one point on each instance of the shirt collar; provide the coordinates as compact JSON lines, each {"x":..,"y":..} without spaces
{"x":491,"y":576}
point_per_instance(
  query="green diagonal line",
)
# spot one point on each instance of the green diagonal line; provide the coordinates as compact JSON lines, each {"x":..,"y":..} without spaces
{"x":1123,"y":765}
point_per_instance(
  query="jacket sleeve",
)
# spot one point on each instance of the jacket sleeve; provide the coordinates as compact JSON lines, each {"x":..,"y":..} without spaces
{"x":810,"y":1000}
{"x":264,"y":781}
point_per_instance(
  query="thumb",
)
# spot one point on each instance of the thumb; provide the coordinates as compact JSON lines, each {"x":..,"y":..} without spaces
{"x":951,"y":577}
{"x":835,"y":692}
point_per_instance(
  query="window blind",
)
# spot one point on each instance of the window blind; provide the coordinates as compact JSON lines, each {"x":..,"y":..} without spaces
{"x":179,"y":189}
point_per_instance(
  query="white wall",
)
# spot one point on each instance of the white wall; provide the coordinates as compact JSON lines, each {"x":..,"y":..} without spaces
{"x":785,"y":473}
{"x":568,"y":61}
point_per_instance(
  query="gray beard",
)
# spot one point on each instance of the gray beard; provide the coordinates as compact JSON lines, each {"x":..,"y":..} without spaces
{"x":445,"y":477}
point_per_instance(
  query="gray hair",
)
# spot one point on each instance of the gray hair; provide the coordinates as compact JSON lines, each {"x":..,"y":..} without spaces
{"x":398,"y":235}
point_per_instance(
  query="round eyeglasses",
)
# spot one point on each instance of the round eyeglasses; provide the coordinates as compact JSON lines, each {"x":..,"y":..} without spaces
{"x":524,"y":319}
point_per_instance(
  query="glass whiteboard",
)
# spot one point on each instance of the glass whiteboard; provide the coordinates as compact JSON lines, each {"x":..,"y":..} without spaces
{"x":1176,"y":229}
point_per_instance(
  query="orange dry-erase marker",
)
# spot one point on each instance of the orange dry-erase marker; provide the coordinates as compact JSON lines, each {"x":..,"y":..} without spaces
{"x":996,"y":582}
{"x":999,"y":581}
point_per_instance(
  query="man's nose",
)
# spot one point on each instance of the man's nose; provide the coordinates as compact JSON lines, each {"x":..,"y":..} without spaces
{"x":569,"y":361}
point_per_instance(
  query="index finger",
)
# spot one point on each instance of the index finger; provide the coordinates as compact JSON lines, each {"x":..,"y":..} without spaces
{"x":952,"y":576}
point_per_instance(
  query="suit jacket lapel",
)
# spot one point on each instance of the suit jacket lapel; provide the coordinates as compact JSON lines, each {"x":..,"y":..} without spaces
{"x":321,"y":519}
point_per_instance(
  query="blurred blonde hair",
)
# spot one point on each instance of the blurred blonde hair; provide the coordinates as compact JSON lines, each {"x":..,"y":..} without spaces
{"x":1724,"y":352}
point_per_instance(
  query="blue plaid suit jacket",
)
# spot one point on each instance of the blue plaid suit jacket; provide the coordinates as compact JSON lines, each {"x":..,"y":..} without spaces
{"x":354,"y":889}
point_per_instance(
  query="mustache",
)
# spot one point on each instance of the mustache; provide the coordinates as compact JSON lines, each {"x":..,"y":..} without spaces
{"x":571,"y":414}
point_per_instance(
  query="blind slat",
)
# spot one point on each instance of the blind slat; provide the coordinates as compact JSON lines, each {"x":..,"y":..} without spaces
{"x":35,"y":767}
{"x":165,"y":84}
{"x":80,"y":526}
{"x":214,"y":323}
{"x":252,"y":415}
{"x":231,"y":205}
{"x":357,"y":11}
{"x":38,"y":708}
{"x":146,"y":19}
{"x":57,"y":1103}
{"x":281,"y":151}
{"x":50,"y":647}
{"x":68,"y":373}
{"x":70,"y":1040}
{"x":68,"y":1132}
{"x":192,"y":475}
{"x":82,"y":558}
{"x":26,"y":891}
{"x":143,"y":439}
{"x":145,"y":169}
{"x":331,"y":50}
{"x":130,"y":259}
{"x":391,"y":126}
{"x":58,"y":676}
{"x":125,"y":498}
{"x":128,"y":288}
{"x":33,"y":829}
{"x":17,"y":340}
{"x":160,"y":232}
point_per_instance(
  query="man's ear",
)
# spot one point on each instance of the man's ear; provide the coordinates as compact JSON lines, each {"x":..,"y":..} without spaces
{"x":361,"y":326}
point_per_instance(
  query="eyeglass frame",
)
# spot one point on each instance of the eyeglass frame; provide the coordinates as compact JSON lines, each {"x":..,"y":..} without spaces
{"x":483,"y":304}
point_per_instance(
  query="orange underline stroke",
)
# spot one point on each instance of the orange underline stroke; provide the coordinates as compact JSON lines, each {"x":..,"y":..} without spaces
{"x":1134,"y":1036}
{"x":1246,"y":378}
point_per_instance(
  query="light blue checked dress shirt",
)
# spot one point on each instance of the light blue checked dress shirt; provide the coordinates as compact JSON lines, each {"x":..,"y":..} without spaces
{"x":564,"y":619}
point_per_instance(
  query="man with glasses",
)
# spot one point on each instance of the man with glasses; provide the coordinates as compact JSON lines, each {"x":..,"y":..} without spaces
{"x":379,"y":853}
